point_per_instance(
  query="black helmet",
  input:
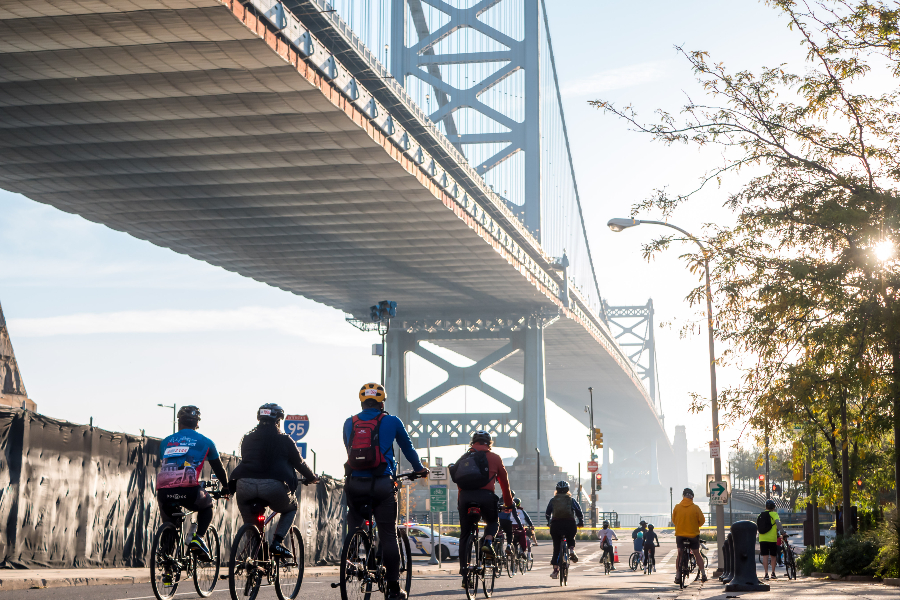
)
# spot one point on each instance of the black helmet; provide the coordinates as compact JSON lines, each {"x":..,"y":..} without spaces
{"x":688,"y":493}
{"x":605,"y":524}
{"x":270,"y":413}
{"x":482,"y":437}
{"x":517,"y":502}
{"x":650,"y":526}
{"x":562,"y":485}
{"x":189,"y":415}
{"x":770,"y":504}
{"x":643,"y":522}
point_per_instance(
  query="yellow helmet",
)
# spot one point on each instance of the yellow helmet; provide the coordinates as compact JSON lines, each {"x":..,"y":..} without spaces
{"x":372,"y":391}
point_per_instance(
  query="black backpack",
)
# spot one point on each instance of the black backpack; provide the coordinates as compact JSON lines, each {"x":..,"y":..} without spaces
{"x":764,"y":522}
{"x":471,"y":471}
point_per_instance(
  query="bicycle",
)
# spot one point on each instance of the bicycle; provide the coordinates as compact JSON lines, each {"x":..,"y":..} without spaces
{"x":252,"y":561}
{"x":170,"y":556}
{"x":477,"y":569}
{"x":361,"y":567}
{"x":649,"y":562}
{"x":563,"y":562}
{"x":529,"y":556}
{"x":790,"y":562}
{"x":635,"y":560}
{"x":520,"y":557}
{"x":685,"y":567}
{"x":501,"y":558}
{"x":607,"y":559}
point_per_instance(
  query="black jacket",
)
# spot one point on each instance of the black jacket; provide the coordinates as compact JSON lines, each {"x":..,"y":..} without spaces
{"x":286,"y":459}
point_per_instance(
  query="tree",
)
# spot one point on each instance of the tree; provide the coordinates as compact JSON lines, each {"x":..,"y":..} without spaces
{"x":807,"y":276}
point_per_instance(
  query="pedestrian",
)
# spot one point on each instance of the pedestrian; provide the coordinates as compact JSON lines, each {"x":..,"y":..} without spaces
{"x":769,"y":526}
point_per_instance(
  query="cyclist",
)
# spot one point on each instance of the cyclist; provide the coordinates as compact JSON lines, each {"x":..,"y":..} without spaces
{"x":768,"y":541}
{"x":177,"y":485}
{"x":269,"y":461}
{"x":474,"y":491}
{"x":641,"y":528}
{"x":521,"y":537}
{"x":506,"y":522}
{"x":606,"y":536}
{"x":369,"y":437}
{"x":688,"y":519}
{"x":561,"y":513}
{"x":649,"y":548}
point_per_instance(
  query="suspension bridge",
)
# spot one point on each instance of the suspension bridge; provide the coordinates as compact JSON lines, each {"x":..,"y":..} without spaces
{"x":349,"y":151}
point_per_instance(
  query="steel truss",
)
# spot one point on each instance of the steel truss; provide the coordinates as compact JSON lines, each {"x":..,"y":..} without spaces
{"x":632,"y":327}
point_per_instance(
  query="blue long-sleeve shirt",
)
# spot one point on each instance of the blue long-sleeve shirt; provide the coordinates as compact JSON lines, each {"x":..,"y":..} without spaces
{"x":390,"y":430}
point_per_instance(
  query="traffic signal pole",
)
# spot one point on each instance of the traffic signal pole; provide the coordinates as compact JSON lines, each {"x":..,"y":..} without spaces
{"x":593,"y":475}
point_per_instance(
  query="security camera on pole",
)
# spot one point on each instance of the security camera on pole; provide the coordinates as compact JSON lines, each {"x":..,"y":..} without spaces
{"x":380,"y":316}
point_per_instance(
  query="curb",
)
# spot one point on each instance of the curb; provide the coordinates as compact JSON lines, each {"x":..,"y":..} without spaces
{"x":854,"y":578}
{"x":31,"y":583}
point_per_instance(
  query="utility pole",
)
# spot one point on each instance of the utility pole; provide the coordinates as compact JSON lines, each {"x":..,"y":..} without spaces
{"x":538,"y":450}
{"x":592,"y":446}
{"x":768,"y":485}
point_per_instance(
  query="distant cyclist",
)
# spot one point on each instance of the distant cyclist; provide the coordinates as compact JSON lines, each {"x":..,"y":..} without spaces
{"x":564,"y":515}
{"x":178,"y":485}
{"x":506,"y":521}
{"x":269,"y":461}
{"x":369,"y":437}
{"x":651,"y":543}
{"x":474,"y":475}
{"x":606,"y":536}
{"x":688,"y":519}
{"x":519,"y":531}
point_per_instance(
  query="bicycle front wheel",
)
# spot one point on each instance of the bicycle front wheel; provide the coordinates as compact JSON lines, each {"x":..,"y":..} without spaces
{"x":634,"y":560}
{"x":356,"y":583}
{"x":406,"y":570}
{"x":289,"y":570}
{"x":244,"y":571}
{"x":164,"y":568}
{"x":206,"y":573}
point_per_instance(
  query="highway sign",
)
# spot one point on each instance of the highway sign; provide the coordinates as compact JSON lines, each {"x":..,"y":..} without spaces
{"x":592,"y":466}
{"x":439,"y":474}
{"x":296,"y":426}
{"x":302,"y":447}
{"x":438,"y":498}
{"x":726,"y":478}
{"x":714,"y":449}
{"x":718,"y":492}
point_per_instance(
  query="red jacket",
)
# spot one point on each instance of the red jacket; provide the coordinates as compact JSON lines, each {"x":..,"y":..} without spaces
{"x":497,"y":472}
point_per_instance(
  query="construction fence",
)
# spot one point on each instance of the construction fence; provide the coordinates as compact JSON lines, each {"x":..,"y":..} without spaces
{"x":74,"y":496}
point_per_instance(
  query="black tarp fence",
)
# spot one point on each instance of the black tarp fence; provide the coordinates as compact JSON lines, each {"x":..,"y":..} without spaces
{"x":78,"y":496}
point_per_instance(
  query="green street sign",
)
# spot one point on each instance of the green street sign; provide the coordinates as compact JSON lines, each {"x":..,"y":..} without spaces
{"x":439,"y":495}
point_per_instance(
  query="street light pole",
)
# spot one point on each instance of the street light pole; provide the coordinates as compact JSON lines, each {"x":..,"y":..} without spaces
{"x":174,"y":419}
{"x":621,"y":224}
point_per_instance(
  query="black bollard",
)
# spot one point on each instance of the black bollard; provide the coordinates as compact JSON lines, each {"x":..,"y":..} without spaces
{"x":729,"y":559}
{"x":744,"y":546}
{"x":724,"y":560}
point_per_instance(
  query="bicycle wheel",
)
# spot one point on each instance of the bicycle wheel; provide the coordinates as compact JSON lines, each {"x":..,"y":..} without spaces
{"x":406,"y":570}
{"x":164,"y":569}
{"x":289,"y":571}
{"x":244,"y":572}
{"x":563,"y":562}
{"x":634,"y":560}
{"x":491,"y":570}
{"x":607,"y":565}
{"x":356,"y":583}
{"x":471,"y":573}
{"x":206,"y":573}
{"x":509,"y":563}
{"x":529,"y":561}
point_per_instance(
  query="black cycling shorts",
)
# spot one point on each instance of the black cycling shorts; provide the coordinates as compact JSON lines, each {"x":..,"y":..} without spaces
{"x":768,"y":548}
{"x":695,"y":541}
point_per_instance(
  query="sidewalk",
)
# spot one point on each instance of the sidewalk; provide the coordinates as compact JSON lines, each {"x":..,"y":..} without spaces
{"x":804,"y":588}
{"x":25,"y":579}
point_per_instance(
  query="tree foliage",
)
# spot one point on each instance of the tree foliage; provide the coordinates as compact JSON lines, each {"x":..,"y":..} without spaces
{"x":806,"y":277}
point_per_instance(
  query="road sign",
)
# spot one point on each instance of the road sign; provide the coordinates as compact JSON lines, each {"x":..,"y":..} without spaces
{"x":718,"y":492}
{"x":798,"y":428}
{"x":438,"y":498}
{"x":714,"y":449}
{"x":710,"y":478}
{"x":438,"y":474}
{"x":302,"y":447}
{"x":592,"y":466}
{"x":296,"y":426}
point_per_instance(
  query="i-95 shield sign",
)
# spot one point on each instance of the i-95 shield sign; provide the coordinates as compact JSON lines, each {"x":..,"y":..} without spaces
{"x":296,"y":426}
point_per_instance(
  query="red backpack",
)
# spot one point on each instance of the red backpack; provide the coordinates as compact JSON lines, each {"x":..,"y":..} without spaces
{"x":365,"y":449}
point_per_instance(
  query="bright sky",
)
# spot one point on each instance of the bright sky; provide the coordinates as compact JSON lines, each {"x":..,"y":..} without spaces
{"x":107,"y":326}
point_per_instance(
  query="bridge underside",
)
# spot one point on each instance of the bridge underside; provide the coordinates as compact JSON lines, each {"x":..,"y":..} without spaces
{"x":176,"y":122}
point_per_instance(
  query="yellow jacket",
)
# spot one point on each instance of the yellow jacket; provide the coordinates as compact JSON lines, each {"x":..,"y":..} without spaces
{"x":688,"y":518}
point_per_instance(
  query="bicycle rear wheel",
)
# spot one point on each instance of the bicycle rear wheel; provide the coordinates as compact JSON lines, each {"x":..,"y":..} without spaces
{"x":244,"y":572}
{"x":563,"y":562}
{"x":164,"y":569}
{"x":471,"y":573}
{"x":406,"y":569}
{"x":289,"y":571}
{"x":509,"y":564}
{"x":206,"y":573}
{"x":356,"y":584}
{"x":529,"y":561}
{"x":491,"y":571}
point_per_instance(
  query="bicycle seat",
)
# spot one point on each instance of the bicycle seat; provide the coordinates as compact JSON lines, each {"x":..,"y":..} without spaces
{"x":363,"y":506}
{"x":686,"y":542}
{"x":473,"y":508}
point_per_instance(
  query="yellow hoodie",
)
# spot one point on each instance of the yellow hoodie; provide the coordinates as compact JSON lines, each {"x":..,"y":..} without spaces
{"x":688,"y":518}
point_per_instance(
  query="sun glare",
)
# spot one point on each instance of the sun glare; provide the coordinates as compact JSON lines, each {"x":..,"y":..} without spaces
{"x":884,"y":250}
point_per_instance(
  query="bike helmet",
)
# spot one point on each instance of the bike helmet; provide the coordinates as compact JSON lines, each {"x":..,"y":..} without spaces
{"x":605,"y":524}
{"x":517,"y":502}
{"x":372,"y":391}
{"x":688,"y":493}
{"x":770,"y":504}
{"x":270,"y":412}
{"x":562,"y":485}
{"x":189,"y":415}
{"x":650,"y":527}
{"x":643,"y":522}
{"x":482,"y":437}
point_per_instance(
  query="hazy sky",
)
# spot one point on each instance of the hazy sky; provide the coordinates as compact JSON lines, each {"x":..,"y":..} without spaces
{"x":106,"y":326}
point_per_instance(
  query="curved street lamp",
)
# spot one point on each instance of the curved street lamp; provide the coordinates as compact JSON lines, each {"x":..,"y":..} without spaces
{"x":618,"y":225}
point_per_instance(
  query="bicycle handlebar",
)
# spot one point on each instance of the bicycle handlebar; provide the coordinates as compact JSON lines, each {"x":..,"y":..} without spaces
{"x":411,"y":475}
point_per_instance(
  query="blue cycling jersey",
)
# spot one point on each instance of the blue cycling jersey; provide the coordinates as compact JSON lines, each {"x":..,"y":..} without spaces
{"x":183,"y":455}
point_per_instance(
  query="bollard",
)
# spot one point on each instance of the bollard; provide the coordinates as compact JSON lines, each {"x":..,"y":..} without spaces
{"x":728,"y":549}
{"x":744,"y":551}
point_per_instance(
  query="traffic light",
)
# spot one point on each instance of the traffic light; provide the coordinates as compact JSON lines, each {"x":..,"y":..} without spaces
{"x":383,"y":310}
{"x":598,"y":438}
{"x":762,"y":484}
{"x":599,"y":481}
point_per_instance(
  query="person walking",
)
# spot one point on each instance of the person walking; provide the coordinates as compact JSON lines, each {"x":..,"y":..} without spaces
{"x":769,"y":526}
